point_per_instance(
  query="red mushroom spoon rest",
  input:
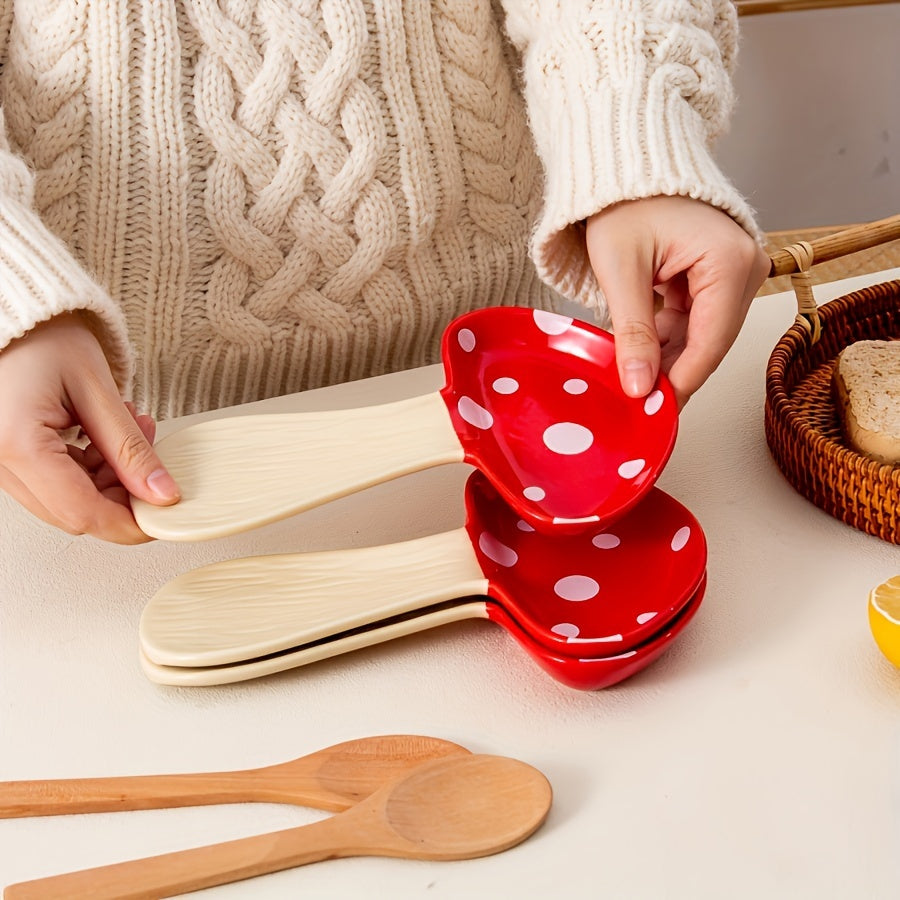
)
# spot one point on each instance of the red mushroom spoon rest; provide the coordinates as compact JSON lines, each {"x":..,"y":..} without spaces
{"x":532,"y":399}
{"x":598,"y":593}
{"x":583,"y":673}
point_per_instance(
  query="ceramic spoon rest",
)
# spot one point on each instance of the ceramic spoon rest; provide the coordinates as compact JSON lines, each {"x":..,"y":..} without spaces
{"x":592,"y":594}
{"x":582,"y":673}
{"x":531,"y":399}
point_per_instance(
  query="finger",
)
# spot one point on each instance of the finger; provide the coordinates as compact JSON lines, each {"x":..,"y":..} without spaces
{"x":147,"y":424}
{"x":626,"y":280}
{"x":117,"y":494}
{"x":672,"y":325}
{"x":675,"y":294}
{"x":62,"y":494}
{"x":717,"y":314}
{"x":104,"y":477}
{"x":78,"y":454}
{"x":122,"y":442}
{"x":101,"y":472}
{"x":71,"y":495}
{"x":91,"y":457}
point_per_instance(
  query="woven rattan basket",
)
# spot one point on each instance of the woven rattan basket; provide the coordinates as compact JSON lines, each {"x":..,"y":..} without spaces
{"x":802,"y":423}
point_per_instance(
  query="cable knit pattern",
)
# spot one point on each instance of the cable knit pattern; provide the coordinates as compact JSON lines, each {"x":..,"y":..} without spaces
{"x":634,"y":92}
{"x":52,"y":110}
{"x":43,"y":91}
{"x":260,"y":196}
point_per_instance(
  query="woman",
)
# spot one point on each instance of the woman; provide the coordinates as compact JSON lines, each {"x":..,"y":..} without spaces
{"x":204,"y":203}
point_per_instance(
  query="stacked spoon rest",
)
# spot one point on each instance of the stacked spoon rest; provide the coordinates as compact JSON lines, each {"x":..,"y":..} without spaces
{"x":567,"y":543}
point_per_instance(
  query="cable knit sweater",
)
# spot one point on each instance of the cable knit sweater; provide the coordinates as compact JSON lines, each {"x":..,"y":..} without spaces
{"x":252,"y":197}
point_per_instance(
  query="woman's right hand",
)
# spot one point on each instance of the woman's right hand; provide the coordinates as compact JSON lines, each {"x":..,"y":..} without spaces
{"x":52,"y":379}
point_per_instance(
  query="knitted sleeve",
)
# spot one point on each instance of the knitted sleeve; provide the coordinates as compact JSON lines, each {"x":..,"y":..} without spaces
{"x":625,"y":98}
{"x":39,"y":277}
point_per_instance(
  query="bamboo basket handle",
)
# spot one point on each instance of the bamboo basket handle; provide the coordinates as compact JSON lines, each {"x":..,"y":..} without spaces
{"x":757,"y":7}
{"x":849,"y":240}
{"x":797,"y":259}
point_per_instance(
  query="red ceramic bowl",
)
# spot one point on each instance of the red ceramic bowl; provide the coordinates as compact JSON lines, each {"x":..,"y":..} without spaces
{"x":596,"y":673}
{"x":596,"y":593}
{"x":536,"y":402}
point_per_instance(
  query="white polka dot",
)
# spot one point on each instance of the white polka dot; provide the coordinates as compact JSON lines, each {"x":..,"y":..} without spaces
{"x":645,"y":617}
{"x":534,"y":493}
{"x":474,"y":414}
{"x":522,"y":525}
{"x":566,"y":630}
{"x":506,"y":385}
{"x":466,"y":338}
{"x":576,"y":588}
{"x":567,"y":438}
{"x":606,"y":541}
{"x":681,"y":538}
{"x":632,"y":468}
{"x":575,"y":386}
{"x":499,"y":553}
{"x":653,"y":403}
{"x":551,"y":323}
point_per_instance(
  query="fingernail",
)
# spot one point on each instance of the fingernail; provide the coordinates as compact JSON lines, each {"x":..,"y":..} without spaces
{"x":163,"y":485}
{"x":637,"y":378}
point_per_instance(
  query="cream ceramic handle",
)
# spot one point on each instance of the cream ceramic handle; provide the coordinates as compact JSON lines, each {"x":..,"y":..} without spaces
{"x":242,"y":472}
{"x":242,"y":609}
{"x":377,"y":633}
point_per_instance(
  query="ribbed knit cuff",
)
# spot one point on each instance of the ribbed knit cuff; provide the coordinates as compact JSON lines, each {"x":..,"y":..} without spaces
{"x":40,"y":279}
{"x":607,"y":136}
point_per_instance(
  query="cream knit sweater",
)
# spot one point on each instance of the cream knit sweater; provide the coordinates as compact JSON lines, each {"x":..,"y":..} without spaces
{"x":254,"y":197}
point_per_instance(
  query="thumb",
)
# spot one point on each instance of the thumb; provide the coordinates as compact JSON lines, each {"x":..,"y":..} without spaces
{"x":627,"y":283}
{"x":123,"y":442}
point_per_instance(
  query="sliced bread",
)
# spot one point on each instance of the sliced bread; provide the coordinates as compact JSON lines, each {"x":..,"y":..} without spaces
{"x":867,"y":385}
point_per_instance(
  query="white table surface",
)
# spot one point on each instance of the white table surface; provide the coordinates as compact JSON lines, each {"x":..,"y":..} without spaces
{"x":760,"y":757}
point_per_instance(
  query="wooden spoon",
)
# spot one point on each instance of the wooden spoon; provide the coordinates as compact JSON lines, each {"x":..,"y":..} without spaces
{"x":334,"y":779}
{"x":458,"y":807}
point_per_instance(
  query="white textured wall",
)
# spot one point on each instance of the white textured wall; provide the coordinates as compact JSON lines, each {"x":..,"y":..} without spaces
{"x":816,"y":135}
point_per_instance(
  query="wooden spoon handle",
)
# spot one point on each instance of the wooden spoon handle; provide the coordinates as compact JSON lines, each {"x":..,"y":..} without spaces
{"x":244,"y":609}
{"x":192,"y":870}
{"x":19,"y":799}
{"x":242,"y":472}
{"x":68,"y":796}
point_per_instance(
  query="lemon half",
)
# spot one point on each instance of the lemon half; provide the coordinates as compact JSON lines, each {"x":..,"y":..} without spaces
{"x":884,"y":618}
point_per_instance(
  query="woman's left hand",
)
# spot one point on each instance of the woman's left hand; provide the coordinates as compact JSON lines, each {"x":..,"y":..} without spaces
{"x":678,"y":276}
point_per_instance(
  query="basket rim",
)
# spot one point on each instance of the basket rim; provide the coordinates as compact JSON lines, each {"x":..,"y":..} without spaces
{"x":779,"y":403}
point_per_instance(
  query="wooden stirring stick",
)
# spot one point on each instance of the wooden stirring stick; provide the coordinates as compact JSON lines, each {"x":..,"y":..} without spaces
{"x":334,"y":779}
{"x":458,"y":807}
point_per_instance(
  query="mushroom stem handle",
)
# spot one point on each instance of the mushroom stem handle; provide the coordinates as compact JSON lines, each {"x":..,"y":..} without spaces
{"x":242,"y":609}
{"x":241,"y":472}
